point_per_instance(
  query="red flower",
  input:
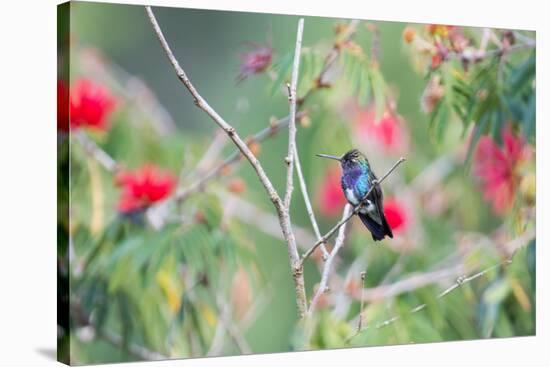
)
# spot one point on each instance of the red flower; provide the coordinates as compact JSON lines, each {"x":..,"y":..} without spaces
{"x":255,"y":61}
{"x":396,"y":215}
{"x":143,"y":187}
{"x":330,"y":197}
{"x":387,"y":132}
{"x":90,"y":105}
{"x":62,"y":106}
{"x":496,"y":168}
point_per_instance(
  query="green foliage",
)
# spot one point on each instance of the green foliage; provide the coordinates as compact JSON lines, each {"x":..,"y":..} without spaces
{"x":490,"y":95}
{"x":366,"y":80}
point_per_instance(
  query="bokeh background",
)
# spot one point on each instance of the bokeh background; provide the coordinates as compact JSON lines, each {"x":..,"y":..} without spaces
{"x":213,"y":277}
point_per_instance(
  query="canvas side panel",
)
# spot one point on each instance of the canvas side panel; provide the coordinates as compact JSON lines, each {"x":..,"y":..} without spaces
{"x":63,"y":164}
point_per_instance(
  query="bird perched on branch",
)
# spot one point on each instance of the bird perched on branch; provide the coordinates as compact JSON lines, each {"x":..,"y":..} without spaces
{"x":357,"y":179}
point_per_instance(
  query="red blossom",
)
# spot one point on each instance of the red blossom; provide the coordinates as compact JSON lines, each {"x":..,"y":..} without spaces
{"x":62,"y":106}
{"x":496,"y":168}
{"x":255,"y":61}
{"x":143,"y":187}
{"x":388,"y":132}
{"x":90,"y":105}
{"x":396,"y":215}
{"x":330,"y":197}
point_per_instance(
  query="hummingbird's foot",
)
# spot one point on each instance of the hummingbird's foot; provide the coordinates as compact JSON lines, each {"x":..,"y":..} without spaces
{"x":375,"y":182}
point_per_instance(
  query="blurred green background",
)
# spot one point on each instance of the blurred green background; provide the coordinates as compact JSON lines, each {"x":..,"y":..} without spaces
{"x":207,"y":45}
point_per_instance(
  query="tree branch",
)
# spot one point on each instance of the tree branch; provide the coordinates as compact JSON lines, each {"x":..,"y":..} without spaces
{"x":511,"y":247}
{"x":274,"y":127}
{"x":307,"y":202}
{"x":93,"y":150}
{"x":203,"y":105}
{"x":279,"y":205}
{"x":234,"y":157}
{"x":295,"y":264}
{"x":328,"y":263}
{"x":348,"y":217}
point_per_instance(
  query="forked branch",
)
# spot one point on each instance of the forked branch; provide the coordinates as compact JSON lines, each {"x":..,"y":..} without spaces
{"x":280,"y":205}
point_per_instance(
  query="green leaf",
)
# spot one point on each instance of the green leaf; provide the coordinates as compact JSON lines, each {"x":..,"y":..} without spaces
{"x":282,"y":69}
{"x":478,"y":131}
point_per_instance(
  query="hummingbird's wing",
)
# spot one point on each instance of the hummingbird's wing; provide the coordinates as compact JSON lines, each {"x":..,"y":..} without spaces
{"x":373,"y":216}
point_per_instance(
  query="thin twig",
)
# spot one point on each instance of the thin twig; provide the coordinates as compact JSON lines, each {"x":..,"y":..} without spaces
{"x":274,"y":127}
{"x":286,"y":226}
{"x":328,"y":263}
{"x":262,"y":220}
{"x":233,"y":158}
{"x":232,"y":329}
{"x":355,"y":211}
{"x":307,"y":201}
{"x":282,"y":212}
{"x":96,"y":152}
{"x":292,"y":123}
{"x":511,"y":247}
{"x":362,"y":305}
{"x":407,"y":284}
{"x":201,"y":103}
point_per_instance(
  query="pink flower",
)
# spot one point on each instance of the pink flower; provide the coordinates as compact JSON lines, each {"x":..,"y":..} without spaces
{"x":255,"y":61}
{"x":330,"y":197}
{"x":496,"y":168}
{"x":396,"y":215}
{"x":143,"y":187}
{"x":388,"y":132}
{"x":90,"y":105}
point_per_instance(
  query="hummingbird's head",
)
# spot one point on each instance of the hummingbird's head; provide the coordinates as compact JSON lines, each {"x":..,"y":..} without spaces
{"x":350,"y":160}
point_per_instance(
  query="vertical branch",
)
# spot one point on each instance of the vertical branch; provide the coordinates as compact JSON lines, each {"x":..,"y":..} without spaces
{"x":292,"y":122}
{"x":360,"y":322}
{"x":307,"y":202}
{"x":294,"y":256}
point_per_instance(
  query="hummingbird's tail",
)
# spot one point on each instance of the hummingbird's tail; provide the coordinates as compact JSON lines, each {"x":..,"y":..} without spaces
{"x":378,"y":231}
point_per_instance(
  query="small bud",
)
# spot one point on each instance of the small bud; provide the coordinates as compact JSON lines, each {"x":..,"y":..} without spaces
{"x":236,"y":186}
{"x":409,"y":34}
{"x":432,"y":94}
{"x":305,"y":121}
{"x":254,"y":147}
{"x":226,"y":169}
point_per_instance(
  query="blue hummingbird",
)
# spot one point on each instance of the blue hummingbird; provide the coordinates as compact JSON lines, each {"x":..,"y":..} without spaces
{"x":357,"y":179}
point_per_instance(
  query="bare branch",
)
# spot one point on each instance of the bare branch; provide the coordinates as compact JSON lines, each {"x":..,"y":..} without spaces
{"x":355,"y":211}
{"x":93,"y":150}
{"x":203,"y":105}
{"x":408,"y":284}
{"x":233,"y":158}
{"x":282,"y":211}
{"x":274,"y":127}
{"x":295,"y":264}
{"x":292,"y":123}
{"x":307,"y":201}
{"x":362,"y":305}
{"x":328,"y":263}
{"x":263,"y":221}
{"x":511,"y":247}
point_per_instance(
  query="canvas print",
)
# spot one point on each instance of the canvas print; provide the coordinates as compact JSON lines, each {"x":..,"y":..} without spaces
{"x":232,"y":183}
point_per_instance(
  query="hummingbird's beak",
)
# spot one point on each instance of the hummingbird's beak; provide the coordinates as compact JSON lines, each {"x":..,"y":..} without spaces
{"x":329,"y":156}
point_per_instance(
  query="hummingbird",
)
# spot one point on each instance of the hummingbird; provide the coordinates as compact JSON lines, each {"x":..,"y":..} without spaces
{"x":357,"y":179}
